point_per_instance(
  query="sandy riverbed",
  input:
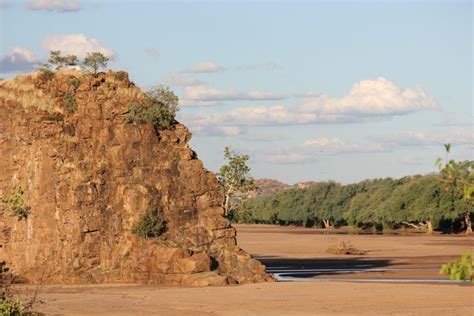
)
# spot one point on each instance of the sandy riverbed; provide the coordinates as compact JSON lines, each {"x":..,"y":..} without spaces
{"x":285,"y":246}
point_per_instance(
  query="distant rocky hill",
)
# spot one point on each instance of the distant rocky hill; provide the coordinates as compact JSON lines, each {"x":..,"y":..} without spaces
{"x":90,"y":176}
{"x":270,"y":186}
{"x":267,"y":186}
{"x":304,"y":185}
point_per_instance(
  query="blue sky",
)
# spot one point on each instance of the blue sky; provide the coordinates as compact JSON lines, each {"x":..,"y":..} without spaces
{"x":312,"y":90}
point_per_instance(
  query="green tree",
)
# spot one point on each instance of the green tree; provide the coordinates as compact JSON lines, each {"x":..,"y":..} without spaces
{"x":458,"y":178}
{"x":59,"y":61}
{"x":159,"y":108}
{"x":234,"y":177}
{"x":422,"y":203}
{"x":94,"y":61}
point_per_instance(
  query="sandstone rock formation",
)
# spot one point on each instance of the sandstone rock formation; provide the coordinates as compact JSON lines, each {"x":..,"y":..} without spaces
{"x":89,"y":176}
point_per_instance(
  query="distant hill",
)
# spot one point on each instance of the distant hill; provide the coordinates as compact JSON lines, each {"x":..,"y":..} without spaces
{"x":266,"y":187}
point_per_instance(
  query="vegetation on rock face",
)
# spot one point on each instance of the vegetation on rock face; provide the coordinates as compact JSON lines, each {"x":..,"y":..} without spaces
{"x":16,"y":203}
{"x":74,"y":83}
{"x":70,"y":102}
{"x":94,"y":62}
{"x":45,"y":73}
{"x":159,"y":108}
{"x":152,"y":224}
{"x":461,"y":269}
{"x":234,"y":177}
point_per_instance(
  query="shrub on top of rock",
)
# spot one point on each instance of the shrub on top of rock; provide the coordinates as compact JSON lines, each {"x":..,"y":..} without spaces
{"x":159,"y":108}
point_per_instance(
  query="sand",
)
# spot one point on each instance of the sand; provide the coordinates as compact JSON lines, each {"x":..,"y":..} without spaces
{"x":292,"y":246}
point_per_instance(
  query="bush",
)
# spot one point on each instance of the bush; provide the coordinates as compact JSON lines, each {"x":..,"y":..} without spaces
{"x":11,"y":307}
{"x":74,"y":83}
{"x":8,"y":306}
{"x":343,"y":248}
{"x":16,"y":203}
{"x":3,"y":271}
{"x":45,"y":74}
{"x":120,"y":75}
{"x":159,"y":108}
{"x":152,"y":225}
{"x":70,"y":103}
{"x":460,"y":268}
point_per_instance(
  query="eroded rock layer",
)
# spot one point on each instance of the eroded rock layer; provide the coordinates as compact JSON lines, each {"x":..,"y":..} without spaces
{"x":89,"y":177}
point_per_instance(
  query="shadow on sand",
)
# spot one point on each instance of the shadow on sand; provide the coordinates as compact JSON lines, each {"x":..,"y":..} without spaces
{"x":310,"y":267}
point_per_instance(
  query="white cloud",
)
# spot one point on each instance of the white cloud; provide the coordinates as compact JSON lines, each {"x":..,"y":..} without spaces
{"x":54,"y":5}
{"x":271,"y":66}
{"x":367,"y":100}
{"x":76,"y":44}
{"x":211,"y":130}
{"x":251,"y":116}
{"x":313,"y":149}
{"x":183,"y":102}
{"x":456,"y":136}
{"x":204,"y":93}
{"x":182,"y":81}
{"x":152,"y":52}
{"x":204,"y":67}
{"x":307,"y":95}
{"x":377,"y":97}
{"x":17,"y":59}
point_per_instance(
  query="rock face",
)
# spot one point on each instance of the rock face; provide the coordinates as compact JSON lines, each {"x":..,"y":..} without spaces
{"x":89,"y":177}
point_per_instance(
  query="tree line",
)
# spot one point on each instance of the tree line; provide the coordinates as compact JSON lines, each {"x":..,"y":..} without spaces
{"x":92,"y":63}
{"x":423,"y":202}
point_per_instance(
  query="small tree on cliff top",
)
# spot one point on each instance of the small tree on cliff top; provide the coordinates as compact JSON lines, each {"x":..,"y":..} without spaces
{"x":234,"y":177}
{"x":94,"y":61}
{"x":59,"y":61}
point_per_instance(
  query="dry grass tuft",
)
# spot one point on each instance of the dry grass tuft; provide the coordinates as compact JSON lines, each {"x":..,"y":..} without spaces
{"x":22,"y":91}
{"x":343,"y":248}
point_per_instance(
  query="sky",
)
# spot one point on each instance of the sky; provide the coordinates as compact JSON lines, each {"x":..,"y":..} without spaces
{"x":312,"y":91}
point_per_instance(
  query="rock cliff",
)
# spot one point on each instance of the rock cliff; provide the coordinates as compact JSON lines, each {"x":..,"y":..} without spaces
{"x":89,"y":177}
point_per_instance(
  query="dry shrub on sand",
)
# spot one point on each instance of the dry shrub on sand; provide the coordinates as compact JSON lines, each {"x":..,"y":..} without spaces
{"x":343,"y":248}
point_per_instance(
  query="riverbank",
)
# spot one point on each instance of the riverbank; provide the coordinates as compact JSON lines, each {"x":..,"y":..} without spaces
{"x":286,"y":246}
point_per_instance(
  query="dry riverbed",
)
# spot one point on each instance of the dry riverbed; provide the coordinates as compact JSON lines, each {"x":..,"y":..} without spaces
{"x":411,"y":256}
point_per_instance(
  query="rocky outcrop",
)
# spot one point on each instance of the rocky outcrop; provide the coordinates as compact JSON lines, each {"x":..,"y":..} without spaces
{"x":89,"y":177}
{"x":266,"y":187}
